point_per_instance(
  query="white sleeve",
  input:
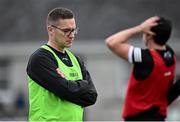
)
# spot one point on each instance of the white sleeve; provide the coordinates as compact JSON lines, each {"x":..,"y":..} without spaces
{"x":134,"y":55}
{"x":130,"y":54}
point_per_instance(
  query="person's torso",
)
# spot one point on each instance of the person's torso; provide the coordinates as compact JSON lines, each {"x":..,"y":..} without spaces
{"x":44,"y":105}
{"x":151,"y":91}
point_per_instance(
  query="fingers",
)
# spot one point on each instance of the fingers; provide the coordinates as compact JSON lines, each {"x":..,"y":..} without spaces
{"x":148,"y":24}
{"x":150,"y":33}
{"x":152,"y":20}
{"x":60,"y":73}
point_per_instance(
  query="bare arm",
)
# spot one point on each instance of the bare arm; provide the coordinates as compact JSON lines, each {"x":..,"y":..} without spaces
{"x":118,"y":42}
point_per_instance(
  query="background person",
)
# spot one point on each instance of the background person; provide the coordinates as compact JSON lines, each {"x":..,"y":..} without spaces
{"x":153,"y":69}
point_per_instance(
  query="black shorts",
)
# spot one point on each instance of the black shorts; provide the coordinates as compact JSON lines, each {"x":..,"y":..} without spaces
{"x":151,"y":114}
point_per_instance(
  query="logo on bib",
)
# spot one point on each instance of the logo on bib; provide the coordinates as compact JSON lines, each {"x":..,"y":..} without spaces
{"x":73,"y":74}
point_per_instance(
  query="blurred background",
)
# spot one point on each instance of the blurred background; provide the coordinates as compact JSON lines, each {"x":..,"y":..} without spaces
{"x":23,"y":30}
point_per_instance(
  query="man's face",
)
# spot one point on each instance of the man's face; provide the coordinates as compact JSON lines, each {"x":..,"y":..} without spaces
{"x":147,"y":38}
{"x":64,"y":32}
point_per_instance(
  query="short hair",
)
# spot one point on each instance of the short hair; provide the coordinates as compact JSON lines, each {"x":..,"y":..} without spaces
{"x":58,"y":13}
{"x":162,"y":31}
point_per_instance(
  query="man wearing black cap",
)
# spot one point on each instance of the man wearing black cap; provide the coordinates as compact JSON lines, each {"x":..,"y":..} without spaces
{"x":153,"y":70}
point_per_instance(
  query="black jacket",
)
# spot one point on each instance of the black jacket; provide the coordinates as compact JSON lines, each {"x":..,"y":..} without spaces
{"x":42,"y":67}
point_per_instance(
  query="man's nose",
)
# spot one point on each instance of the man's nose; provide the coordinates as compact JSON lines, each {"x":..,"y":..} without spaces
{"x":71,"y":34}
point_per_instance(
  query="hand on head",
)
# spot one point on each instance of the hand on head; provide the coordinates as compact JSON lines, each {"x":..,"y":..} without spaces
{"x":148,"y":24}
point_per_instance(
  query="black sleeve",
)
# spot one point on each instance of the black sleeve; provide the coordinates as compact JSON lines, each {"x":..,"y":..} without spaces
{"x":144,"y":68}
{"x":42,"y":69}
{"x":88,"y":98}
{"x":174,"y":92}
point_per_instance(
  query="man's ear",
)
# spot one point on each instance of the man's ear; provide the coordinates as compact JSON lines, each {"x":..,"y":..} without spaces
{"x":150,"y":37}
{"x":50,"y":29}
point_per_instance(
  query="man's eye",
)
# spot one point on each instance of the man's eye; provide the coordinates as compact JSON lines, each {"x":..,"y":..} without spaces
{"x":67,"y":30}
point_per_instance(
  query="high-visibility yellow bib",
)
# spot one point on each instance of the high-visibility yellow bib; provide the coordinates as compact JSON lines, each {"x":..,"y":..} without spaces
{"x":45,"y":106}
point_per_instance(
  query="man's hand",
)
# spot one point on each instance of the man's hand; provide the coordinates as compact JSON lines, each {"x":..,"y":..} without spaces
{"x":148,"y":24}
{"x":60,"y":73}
